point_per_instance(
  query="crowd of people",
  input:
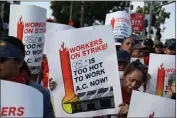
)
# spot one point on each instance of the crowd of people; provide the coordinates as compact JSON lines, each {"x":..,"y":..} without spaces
{"x":135,"y":74}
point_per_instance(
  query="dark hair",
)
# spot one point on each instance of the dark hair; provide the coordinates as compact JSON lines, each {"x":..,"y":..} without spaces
{"x":18,"y":43}
{"x":137,"y":65}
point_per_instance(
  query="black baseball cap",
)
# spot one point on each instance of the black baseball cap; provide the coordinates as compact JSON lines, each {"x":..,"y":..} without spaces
{"x":158,"y":43}
{"x":170,"y":43}
{"x":123,"y":56}
{"x":148,"y":41}
{"x":9,"y":49}
{"x":139,"y":46}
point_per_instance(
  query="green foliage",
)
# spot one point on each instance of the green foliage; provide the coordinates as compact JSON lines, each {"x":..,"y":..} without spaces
{"x":92,"y":10}
{"x":159,"y":15}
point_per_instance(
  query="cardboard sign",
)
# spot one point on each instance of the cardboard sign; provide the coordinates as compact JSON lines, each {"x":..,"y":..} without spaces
{"x":55,"y":27}
{"x":28,"y":23}
{"x":137,"y":21}
{"x":79,"y":61}
{"x":120,"y":22}
{"x":145,"y":105}
{"x":22,"y":101}
{"x":160,"y":68}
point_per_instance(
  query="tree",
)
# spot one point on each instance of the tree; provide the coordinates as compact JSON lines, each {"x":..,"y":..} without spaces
{"x":93,"y":10}
{"x":159,"y":16}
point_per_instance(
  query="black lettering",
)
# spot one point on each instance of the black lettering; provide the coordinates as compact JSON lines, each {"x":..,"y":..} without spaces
{"x":84,"y":86}
{"x":94,"y":74}
{"x":80,"y":71}
{"x":96,"y":66}
{"x":27,"y":52}
{"x":40,"y":45}
{"x":31,"y":46}
{"x":92,"y":60}
{"x":78,"y":89}
{"x":37,"y":52}
{"x":98,"y":81}
{"x":28,"y":60}
{"x":37,"y":59}
{"x":80,"y":78}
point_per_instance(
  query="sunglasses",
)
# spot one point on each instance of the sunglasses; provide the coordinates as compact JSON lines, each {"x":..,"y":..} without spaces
{"x":3,"y":59}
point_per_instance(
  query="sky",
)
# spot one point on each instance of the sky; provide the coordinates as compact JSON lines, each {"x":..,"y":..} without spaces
{"x":169,"y":23}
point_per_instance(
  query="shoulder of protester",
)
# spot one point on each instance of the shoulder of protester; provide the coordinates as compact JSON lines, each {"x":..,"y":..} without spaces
{"x":48,"y":109}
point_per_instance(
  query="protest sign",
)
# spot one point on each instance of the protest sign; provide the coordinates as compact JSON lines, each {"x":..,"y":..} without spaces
{"x":147,"y":105}
{"x":18,"y":100}
{"x":160,"y":68}
{"x":28,"y":23}
{"x":120,"y":22}
{"x":134,"y":59}
{"x":79,"y":61}
{"x":55,"y":27}
{"x":137,"y":21}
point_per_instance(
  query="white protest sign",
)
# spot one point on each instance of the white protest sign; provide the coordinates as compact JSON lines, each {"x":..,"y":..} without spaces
{"x":145,"y":105}
{"x":55,"y":27}
{"x":79,"y":61}
{"x":18,"y":100}
{"x":160,"y":68}
{"x":120,"y":22}
{"x":28,"y":23}
{"x":134,"y":59}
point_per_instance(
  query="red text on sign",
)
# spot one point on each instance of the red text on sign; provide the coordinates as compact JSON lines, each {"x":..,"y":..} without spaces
{"x":12,"y":111}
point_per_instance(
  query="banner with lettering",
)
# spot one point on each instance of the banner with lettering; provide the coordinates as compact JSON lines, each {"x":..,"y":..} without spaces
{"x":146,"y":105}
{"x":120,"y":22}
{"x":28,"y":23}
{"x":160,"y":68}
{"x":20,"y":101}
{"x":137,"y":21}
{"x":79,"y":61}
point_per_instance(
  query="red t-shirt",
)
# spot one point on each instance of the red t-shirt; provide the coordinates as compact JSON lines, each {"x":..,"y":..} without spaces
{"x":45,"y":72}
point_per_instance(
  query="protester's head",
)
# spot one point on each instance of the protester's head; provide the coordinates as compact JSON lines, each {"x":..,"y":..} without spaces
{"x":172,"y":86}
{"x":127,"y":44}
{"x":12,"y":53}
{"x":138,"y":50}
{"x":170,"y":47}
{"x":149,"y":44}
{"x":158,"y":47}
{"x":123,"y":59}
{"x":135,"y":75}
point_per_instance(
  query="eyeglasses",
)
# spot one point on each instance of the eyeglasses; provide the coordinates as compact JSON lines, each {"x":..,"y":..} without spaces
{"x":3,"y":59}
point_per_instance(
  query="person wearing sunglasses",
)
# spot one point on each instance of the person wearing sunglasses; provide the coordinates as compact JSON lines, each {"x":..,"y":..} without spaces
{"x":14,"y":68}
{"x":158,"y":47}
{"x":134,"y":76}
{"x":127,"y":44}
{"x":170,"y":47}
